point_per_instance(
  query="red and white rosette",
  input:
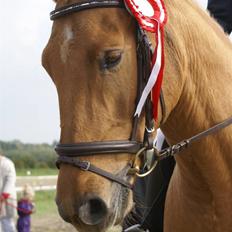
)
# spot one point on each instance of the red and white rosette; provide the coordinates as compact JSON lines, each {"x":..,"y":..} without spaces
{"x":151,"y":16}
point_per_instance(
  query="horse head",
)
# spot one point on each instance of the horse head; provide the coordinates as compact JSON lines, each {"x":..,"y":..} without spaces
{"x":91,"y":57}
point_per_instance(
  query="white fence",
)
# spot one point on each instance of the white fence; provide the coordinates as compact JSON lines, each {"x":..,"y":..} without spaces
{"x":38,"y":183}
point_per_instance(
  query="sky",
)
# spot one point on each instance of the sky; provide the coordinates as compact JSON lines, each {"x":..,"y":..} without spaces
{"x":28,"y":99}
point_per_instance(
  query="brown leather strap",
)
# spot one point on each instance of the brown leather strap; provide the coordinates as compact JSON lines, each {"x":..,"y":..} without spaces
{"x":87,"y":166}
{"x":98,"y":148}
{"x":171,"y":151}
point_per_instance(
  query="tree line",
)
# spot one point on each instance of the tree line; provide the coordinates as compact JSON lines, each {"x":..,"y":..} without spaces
{"x":25,"y":155}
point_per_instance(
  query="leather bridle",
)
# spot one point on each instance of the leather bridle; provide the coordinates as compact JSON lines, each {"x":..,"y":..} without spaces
{"x":69,"y":153}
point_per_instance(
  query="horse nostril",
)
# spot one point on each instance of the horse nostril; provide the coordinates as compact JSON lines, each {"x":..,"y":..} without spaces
{"x":92,"y":211}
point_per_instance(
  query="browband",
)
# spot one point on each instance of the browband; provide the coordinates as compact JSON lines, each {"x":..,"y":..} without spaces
{"x":76,"y":7}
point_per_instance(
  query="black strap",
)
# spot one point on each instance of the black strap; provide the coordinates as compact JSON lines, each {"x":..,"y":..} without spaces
{"x":163,"y":106}
{"x":87,"y":166}
{"x":79,"y":6}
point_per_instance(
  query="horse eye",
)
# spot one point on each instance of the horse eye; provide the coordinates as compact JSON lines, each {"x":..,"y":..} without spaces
{"x":111,"y":59}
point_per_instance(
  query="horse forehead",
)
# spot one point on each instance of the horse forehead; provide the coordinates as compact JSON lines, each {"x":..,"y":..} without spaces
{"x":89,"y":28}
{"x":101,"y":19}
{"x":94,"y":19}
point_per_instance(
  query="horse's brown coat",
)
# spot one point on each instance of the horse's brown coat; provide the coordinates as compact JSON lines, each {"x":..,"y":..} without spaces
{"x":98,"y":105}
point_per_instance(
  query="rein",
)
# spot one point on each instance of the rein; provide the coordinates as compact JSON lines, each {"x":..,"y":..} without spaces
{"x":171,"y":151}
{"x":69,"y":153}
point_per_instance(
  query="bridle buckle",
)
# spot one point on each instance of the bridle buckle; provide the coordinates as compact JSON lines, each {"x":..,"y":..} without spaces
{"x":135,"y":167}
{"x":85,"y":165}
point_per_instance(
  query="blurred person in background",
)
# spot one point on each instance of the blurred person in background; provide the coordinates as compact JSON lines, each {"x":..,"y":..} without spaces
{"x":25,"y":208}
{"x":7,"y":195}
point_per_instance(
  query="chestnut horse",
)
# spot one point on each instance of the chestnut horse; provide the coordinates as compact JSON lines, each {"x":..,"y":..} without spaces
{"x":91,"y":58}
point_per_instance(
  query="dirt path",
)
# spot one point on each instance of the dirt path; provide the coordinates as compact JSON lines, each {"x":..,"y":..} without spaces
{"x":50,"y":223}
{"x":53,"y":223}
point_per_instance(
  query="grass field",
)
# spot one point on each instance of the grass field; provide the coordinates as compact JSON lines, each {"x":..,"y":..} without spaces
{"x":37,"y":172}
{"x":45,"y":203}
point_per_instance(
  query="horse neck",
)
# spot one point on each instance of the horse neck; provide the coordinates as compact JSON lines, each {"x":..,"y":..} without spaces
{"x":205,"y":98}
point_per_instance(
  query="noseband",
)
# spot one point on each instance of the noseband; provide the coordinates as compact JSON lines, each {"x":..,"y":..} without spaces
{"x":69,"y":153}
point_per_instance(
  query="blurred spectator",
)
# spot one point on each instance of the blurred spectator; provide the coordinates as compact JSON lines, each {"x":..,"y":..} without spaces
{"x":7,"y":194}
{"x":25,"y":208}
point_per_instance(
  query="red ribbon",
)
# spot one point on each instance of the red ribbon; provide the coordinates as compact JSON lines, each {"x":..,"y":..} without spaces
{"x":152,"y":21}
{"x":157,"y":88}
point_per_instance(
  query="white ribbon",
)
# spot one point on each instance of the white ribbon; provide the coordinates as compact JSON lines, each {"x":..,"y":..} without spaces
{"x":153,"y":76}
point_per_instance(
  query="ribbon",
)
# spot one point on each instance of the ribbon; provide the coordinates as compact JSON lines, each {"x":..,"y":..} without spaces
{"x":151,"y":15}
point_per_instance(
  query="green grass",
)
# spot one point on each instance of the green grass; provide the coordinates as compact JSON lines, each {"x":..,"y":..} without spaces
{"x":37,"y":172}
{"x":45,"y":203}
